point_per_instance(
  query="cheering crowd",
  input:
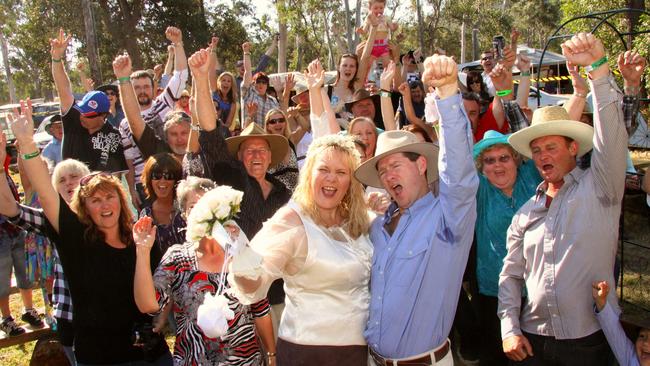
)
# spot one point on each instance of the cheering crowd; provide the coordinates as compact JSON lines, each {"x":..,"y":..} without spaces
{"x":297,"y":220}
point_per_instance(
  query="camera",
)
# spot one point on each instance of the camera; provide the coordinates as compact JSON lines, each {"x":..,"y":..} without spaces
{"x":498,"y":43}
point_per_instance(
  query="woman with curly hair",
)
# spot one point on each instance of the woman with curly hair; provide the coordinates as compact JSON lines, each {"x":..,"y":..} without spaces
{"x":318,"y":243}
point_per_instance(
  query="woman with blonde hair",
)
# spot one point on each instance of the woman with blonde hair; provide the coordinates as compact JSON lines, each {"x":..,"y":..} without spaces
{"x":318,"y":243}
{"x":277,"y":123}
{"x":226,"y":96}
{"x":94,"y":243}
{"x":364,"y":129}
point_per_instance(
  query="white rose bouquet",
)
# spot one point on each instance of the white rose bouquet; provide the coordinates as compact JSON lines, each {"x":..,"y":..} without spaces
{"x":218,"y":205}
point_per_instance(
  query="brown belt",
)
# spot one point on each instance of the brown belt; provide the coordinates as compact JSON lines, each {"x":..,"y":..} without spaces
{"x":424,"y":360}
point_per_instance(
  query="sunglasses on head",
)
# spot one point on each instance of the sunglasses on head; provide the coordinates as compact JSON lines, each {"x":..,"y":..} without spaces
{"x":163,"y":175}
{"x":492,"y":160}
{"x":88,"y":177}
{"x":276,"y":120}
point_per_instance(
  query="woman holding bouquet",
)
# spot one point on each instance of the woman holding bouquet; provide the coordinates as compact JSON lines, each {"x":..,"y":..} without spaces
{"x":192,"y":272}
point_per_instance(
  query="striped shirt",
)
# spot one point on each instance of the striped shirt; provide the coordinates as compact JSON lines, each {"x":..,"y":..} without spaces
{"x":153,"y":117}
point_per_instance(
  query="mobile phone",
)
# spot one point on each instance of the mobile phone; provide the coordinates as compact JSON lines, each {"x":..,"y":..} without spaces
{"x":498,"y":43}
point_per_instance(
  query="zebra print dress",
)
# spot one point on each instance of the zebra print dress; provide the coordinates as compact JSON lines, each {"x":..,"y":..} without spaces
{"x":179,"y":280}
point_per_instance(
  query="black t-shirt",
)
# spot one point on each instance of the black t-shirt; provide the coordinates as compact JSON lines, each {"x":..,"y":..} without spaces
{"x":101,"y":151}
{"x":100,"y":279}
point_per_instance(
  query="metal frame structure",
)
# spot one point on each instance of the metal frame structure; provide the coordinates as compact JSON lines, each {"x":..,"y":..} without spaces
{"x":602,"y":17}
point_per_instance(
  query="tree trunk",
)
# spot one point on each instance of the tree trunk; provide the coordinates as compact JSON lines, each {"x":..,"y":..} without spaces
{"x":420,"y":26}
{"x":348,"y":26}
{"x":475,"y":50}
{"x":357,"y":24}
{"x":462,"y":42}
{"x":282,"y":42}
{"x":91,"y":42}
{"x":328,"y":39}
{"x":5,"y":60}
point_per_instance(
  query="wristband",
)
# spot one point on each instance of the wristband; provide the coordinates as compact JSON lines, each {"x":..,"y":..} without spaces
{"x":56,"y":59}
{"x":631,"y":90}
{"x":124,"y":80}
{"x":525,"y":73}
{"x":385,"y":93}
{"x":503,"y":93}
{"x":270,"y":354}
{"x":31,"y":155}
{"x":579,"y":95}
{"x":195,"y":127}
{"x":247,"y":53}
{"x":597,"y":64}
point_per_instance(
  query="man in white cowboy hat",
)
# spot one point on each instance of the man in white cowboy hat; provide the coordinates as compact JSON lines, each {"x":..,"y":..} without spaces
{"x":566,"y":235}
{"x":423,"y":241}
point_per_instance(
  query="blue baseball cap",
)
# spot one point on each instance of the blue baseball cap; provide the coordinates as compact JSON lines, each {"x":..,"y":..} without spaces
{"x":93,"y":103}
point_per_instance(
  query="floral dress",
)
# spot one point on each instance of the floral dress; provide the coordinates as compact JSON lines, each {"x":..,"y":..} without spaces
{"x":178,"y":277}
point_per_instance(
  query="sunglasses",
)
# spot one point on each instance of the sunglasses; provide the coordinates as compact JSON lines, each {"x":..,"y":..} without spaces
{"x":474,"y":82}
{"x":502,"y":159}
{"x":486,"y":58}
{"x":87,"y":178}
{"x":163,"y":175}
{"x":276,"y":120}
{"x":261,"y":81}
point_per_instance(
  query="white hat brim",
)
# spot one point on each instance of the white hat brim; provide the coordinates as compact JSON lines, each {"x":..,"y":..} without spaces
{"x":578,"y":131}
{"x":367,"y":173}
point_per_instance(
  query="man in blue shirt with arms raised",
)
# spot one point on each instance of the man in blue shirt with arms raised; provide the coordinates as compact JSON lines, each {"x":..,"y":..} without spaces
{"x":422,"y":242}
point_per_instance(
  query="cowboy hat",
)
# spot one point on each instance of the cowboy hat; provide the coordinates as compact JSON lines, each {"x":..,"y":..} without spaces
{"x":111,"y":87}
{"x":50,"y":120}
{"x":360,"y":95}
{"x":277,"y":143}
{"x":490,"y":138}
{"x":549,"y":121}
{"x":391,"y":142}
{"x":633,"y":324}
{"x":299,"y":88}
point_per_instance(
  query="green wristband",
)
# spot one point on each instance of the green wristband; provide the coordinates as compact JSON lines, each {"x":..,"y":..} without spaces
{"x":385,"y":93}
{"x":503,"y":93}
{"x":57,"y":59}
{"x":597,"y":64}
{"x":124,"y":79}
{"x":525,"y":73}
{"x":31,"y":155}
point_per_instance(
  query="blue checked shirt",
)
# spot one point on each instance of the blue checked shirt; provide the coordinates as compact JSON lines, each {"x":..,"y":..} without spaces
{"x":417,"y":271}
{"x":33,"y":219}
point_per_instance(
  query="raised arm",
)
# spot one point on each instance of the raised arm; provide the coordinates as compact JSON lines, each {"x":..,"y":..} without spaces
{"x":122,"y":69}
{"x":405,"y":90}
{"x":248,"y":74}
{"x":22,"y":126}
{"x":502,"y":81}
{"x":458,"y":179}
{"x":523,"y":63}
{"x":175,"y":36}
{"x":144,"y":292}
{"x":212,"y":64}
{"x":61,"y":80}
{"x":608,"y":160}
{"x":364,"y":60}
{"x":631,"y":87}
{"x":169,"y":66}
{"x":323,"y":120}
{"x":87,"y":83}
{"x":193,"y":141}
{"x":577,"y":102}
{"x":385,"y":82}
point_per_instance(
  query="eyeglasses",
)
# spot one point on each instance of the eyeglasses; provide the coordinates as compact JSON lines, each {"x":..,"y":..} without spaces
{"x":502,"y":159}
{"x":486,"y":58}
{"x":163,"y":175}
{"x":261,"y":81}
{"x":88,"y":177}
{"x":474,"y":82}
{"x":276,"y":120}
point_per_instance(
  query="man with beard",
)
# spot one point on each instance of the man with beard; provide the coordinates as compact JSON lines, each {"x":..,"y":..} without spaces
{"x":153,"y":111}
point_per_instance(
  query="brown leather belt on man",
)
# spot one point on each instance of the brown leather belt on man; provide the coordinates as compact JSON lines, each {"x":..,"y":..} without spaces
{"x":426,"y":359}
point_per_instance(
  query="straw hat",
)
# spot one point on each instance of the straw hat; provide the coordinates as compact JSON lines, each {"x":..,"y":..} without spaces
{"x":391,"y":142}
{"x":277,"y":143}
{"x":549,"y":121}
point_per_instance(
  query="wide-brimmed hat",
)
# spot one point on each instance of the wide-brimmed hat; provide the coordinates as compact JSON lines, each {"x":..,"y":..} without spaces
{"x":632,"y":324}
{"x":360,"y":95}
{"x":277,"y":143}
{"x":391,"y":142}
{"x":111,"y":87}
{"x":50,"y":120}
{"x":490,"y":138}
{"x":549,"y":121}
{"x":299,"y":88}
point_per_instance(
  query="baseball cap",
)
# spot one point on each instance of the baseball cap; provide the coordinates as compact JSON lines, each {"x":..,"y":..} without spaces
{"x":93,"y":103}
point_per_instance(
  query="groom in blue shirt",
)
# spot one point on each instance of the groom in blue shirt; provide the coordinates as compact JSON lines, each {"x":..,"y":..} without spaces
{"x":423,"y":241}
